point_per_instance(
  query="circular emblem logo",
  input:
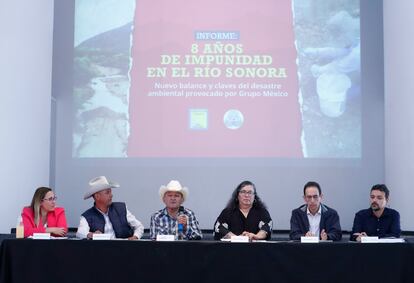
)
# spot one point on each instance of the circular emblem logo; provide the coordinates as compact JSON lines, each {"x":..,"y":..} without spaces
{"x":233,"y":119}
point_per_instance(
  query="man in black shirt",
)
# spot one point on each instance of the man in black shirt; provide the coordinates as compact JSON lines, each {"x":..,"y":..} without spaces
{"x":378,"y":220}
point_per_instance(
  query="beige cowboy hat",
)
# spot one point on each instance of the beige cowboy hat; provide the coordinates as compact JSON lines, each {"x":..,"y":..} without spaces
{"x":174,"y":186}
{"x":99,"y":184}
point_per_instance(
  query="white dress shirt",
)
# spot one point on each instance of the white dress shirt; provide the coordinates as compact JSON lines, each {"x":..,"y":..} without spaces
{"x":84,"y":229}
{"x":314,"y":221}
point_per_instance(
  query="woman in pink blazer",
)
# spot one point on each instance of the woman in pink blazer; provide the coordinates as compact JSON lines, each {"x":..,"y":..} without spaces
{"x":42,"y":216}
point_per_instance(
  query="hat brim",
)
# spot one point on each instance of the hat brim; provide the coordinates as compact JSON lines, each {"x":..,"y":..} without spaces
{"x":93,"y":190}
{"x":164,"y":189}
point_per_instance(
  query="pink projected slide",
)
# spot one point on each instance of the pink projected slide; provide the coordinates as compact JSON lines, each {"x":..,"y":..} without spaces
{"x":214,"y":79}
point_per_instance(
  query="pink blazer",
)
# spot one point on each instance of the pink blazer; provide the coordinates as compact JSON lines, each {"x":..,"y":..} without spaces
{"x":55,"y":218}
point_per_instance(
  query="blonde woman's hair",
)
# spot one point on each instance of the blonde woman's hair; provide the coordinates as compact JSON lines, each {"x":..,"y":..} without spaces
{"x":38,"y":196}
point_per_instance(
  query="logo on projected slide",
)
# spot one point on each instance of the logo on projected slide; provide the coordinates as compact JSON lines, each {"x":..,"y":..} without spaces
{"x":198,"y":119}
{"x":233,"y":119}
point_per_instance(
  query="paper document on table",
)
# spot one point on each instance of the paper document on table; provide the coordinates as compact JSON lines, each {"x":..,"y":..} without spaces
{"x":391,"y":240}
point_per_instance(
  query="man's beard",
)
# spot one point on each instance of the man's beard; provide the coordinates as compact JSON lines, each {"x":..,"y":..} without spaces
{"x":376,"y":208}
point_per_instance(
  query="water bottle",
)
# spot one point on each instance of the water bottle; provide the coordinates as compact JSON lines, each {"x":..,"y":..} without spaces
{"x":20,"y":230}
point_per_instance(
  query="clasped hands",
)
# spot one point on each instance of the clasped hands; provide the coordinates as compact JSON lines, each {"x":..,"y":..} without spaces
{"x":59,"y":231}
{"x":323,"y":236}
{"x":252,"y":236}
{"x":359,"y":235}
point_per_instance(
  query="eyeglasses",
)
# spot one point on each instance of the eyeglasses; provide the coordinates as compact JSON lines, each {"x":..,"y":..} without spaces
{"x":249,"y":193}
{"x":312,"y":197}
{"x":51,"y":199}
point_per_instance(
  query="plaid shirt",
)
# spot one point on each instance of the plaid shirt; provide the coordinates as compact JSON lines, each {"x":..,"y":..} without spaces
{"x":163,"y":224}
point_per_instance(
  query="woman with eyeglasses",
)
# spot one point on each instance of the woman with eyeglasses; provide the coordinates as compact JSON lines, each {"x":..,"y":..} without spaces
{"x":42,"y":216}
{"x":244,"y":215}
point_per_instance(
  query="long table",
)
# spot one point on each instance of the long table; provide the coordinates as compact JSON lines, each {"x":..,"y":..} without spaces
{"x":25,"y":260}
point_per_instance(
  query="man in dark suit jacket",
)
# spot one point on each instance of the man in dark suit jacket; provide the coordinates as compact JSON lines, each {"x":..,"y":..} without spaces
{"x":314,"y":218}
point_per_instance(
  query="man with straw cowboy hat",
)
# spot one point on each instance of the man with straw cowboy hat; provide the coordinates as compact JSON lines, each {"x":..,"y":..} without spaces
{"x":166,"y":220}
{"x":106,"y":216}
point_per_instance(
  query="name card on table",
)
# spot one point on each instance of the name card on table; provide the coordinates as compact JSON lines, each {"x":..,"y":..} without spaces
{"x":369,"y":239}
{"x":239,"y":239}
{"x":304,"y":239}
{"x":41,"y":236}
{"x":101,"y":236}
{"x":165,"y":238}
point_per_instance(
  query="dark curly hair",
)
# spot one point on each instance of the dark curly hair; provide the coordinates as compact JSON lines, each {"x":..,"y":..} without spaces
{"x":233,"y":203}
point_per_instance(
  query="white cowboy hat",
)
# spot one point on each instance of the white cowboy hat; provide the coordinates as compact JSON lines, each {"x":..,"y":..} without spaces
{"x":173,"y":186}
{"x":99,"y":184}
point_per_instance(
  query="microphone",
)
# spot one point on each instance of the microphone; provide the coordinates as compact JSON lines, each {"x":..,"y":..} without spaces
{"x":180,"y":226}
